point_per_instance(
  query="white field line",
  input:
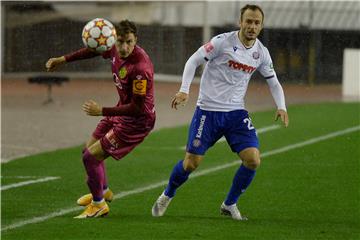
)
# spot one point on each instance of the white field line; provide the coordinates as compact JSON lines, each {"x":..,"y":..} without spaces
{"x":5,"y":160}
{"x":24,"y":183}
{"x":196,"y":174}
{"x":16,"y":156}
{"x":11,"y":146}
{"x":20,"y":177}
{"x":268,"y":128}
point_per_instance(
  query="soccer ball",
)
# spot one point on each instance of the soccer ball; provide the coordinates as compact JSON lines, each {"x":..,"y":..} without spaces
{"x":99,"y":35}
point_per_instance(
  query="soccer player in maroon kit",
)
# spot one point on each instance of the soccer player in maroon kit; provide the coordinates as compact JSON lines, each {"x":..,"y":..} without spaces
{"x":125,"y":125}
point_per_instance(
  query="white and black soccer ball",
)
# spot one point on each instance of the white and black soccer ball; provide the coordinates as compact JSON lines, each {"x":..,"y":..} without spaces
{"x":99,"y":35}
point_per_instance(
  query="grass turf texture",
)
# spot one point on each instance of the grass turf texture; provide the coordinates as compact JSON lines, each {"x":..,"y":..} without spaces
{"x":310,"y":192}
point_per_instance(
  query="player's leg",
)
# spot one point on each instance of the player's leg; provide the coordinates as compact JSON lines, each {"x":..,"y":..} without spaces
{"x":92,"y":159}
{"x":102,"y":128}
{"x":91,"y":141}
{"x":178,"y":177}
{"x":117,"y":142}
{"x":202,"y":135}
{"x":244,"y":175}
{"x":108,"y":194}
{"x":242,"y":179}
{"x":181,"y":172}
{"x":243,"y":140}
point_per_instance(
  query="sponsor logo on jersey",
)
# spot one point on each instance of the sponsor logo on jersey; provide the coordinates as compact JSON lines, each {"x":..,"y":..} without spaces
{"x":256,"y":55}
{"x":139,"y":86}
{"x":208,"y":47}
{"x":241,"y":66}
{"x":201,"y":126}
{"x":235,"y":48}
{"x":122,"y":72}
{"x":117,"y":81}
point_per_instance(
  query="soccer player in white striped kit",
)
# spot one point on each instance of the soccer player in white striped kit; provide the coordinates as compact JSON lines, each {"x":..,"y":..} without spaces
{"x":231,"y":58}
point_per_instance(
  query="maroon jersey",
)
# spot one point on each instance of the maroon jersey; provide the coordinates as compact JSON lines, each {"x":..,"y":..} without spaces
{"x":133,"y":78}
{"x":134,"y":81}
{"x":130,"y":121}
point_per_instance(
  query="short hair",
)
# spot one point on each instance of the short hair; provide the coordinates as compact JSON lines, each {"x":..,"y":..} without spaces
{"x":124,"y":27}
{"x":253,"y":8}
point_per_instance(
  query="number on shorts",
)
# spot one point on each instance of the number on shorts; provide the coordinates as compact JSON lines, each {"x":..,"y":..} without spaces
{"x":249,"y":124}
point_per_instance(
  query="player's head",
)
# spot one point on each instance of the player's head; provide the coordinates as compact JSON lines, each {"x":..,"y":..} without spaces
{"x":251,"y":21}
{"x":126,"y":37}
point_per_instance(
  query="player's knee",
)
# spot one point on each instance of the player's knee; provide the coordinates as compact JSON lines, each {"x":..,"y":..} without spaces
{"x":190,"y":166}
{"x":250,"y":158}
{"x":191,"y":161}
{"x":252,"y":163}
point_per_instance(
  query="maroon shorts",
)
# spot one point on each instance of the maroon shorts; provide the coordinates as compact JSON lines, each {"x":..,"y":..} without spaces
{"x":119,"y":136}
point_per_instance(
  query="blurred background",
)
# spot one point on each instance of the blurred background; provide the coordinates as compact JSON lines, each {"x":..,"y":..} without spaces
{"x":306,"y":40}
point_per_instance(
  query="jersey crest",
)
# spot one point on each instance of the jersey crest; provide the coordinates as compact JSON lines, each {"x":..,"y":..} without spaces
{"x":256,"y":55}
{"x":122,"y":72}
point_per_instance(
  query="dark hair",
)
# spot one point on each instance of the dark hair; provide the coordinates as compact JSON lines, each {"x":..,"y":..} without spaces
{"x":253,"y":8}
{"x":124,"y":27}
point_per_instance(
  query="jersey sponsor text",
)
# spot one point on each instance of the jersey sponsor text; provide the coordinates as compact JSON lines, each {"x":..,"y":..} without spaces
{"x":241,"y":66}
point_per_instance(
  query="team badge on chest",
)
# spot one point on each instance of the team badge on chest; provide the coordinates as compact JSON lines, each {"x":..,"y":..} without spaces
{"x":256,"y":55}
{"x":122,"y":72}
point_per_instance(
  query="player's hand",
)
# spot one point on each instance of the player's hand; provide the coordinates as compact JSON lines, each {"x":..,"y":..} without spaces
{"x":92,"y":108}
{"x":52,"y":63}
{"x":282,"y":114}
{"x":179,"y":98}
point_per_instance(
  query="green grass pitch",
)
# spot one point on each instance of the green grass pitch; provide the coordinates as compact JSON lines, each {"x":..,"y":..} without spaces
{"x":308,"y":191}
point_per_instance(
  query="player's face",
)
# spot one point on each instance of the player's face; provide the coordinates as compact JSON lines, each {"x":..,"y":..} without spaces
{"x":251,"y":24}
{"x":125,"y":44}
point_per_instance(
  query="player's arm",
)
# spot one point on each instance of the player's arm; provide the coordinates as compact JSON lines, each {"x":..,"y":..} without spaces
{"x":201,"y":56}
{"x":192,"y":63}
{"x":134,"y":108}
{"x":83,"y":53}
{"x":277,"y":92}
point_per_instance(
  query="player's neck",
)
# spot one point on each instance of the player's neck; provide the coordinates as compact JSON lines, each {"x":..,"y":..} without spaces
{"x":247,"y":43}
